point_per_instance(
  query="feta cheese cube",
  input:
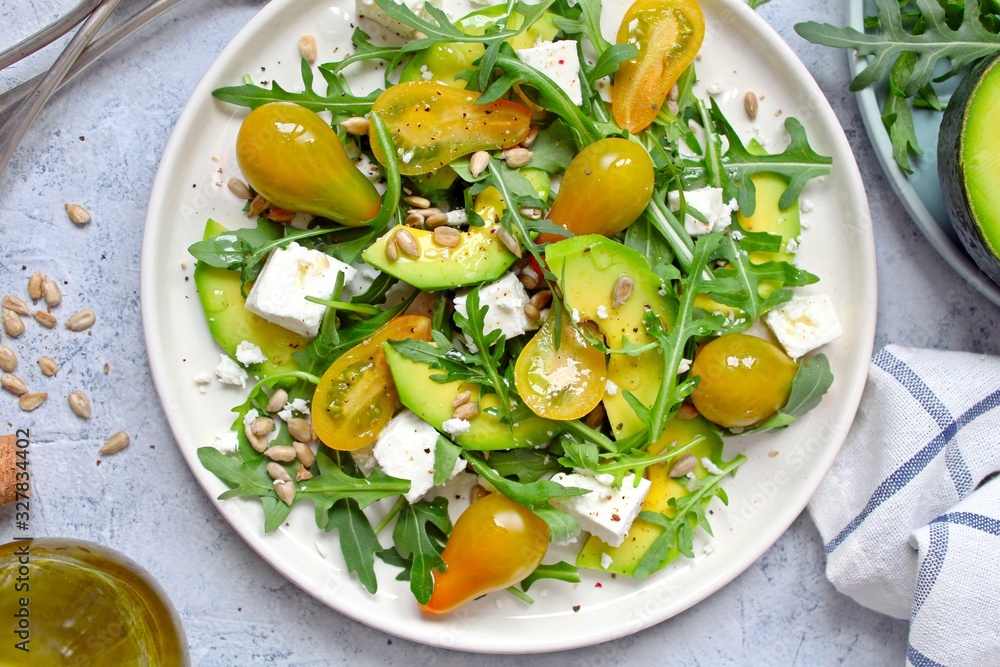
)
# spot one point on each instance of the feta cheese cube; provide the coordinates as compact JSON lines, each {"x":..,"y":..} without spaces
{"x":504,"y":299}
{"x":405,"y":449}
{"x":289,"y":276}
{"x":248,"y":354}
{"x":369,"y":9}
{"x":365,"y":459}
{"x":227,"y":443}
{"x":230,"y":372}
{"x":708,"y":202}
{"x":456,"y":427}
{"x":560,"y":62}
{"x":299,"y":405}
{"x":804,"y":323}
{"x":605,"y":512}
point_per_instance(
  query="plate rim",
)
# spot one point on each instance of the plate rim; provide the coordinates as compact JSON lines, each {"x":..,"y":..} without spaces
{"x":953,"y":253}
{"x":865,"y":309}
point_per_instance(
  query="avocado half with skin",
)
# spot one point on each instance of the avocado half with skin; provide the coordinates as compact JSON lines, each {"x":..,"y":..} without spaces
{"x":969,"y":164}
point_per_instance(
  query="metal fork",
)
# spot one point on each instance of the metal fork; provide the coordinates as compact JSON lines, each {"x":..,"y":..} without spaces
{"x":20,"y":105}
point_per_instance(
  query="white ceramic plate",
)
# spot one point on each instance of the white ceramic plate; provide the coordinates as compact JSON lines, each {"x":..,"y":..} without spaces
{"x":741,"y":53}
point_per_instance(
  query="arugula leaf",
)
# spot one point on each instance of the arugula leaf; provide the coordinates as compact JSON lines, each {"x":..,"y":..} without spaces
{"x":242,"y":480}
{"x":332,"y":484}
{"x":365,"y":50}
{"x":253,"y":96}
{"x":473,"y":325}
{"x":589,"y":24}
{"x":524,"y":465}
{"x":445,"y":457}
{"x":440,"y":30}
{"x":754,"y":4}
{"x":419,"y":537}
{"x":560,"y":571}
{"x":686,"y":514}
{"x":358,"y":541}
{"x":554,"y":148}
{"x":231,"y":249}
{"x":896,"y":114}
{"x":811,"y":382}
{"x":611,"y":59}
{"x":961,"y":46}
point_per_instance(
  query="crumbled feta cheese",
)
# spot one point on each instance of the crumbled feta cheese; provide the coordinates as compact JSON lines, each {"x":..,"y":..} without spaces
{"x":364,"y":458}
{"x":792,"y":245}
{"x":606,"y":560}
{"x":806,"y":205}
{"x":684,"y":366}
{"x":289,"y":276}
{"x":456,"y":427}
{"x":425,"y":73}
{"x":737,"y":236}
{"x":560,"y":62}
{"x":575,"y":316}
{"x":602,"y":312}
{"x":605,"y":512}
{"x":405,"y":449}
{"x":203,"y":380}
{"x":715,"y":88}
{"x":663,"y":289}
{"x":369,"y":9}
{"x":610,"y":388}
{"x":297,"y":405}
{"x":320,"y":550}
{"x":707,"y":464}
{"x":604,"y":88}
{"x":457,"y":217}
{"x":227,"y":442}
{"x":251,"y":415}
{"x":248,"y":354}
{"x":804,"y":324}
{"x":230,"y":372}
{"x":505,"y":300}
{"x":708,"y":202}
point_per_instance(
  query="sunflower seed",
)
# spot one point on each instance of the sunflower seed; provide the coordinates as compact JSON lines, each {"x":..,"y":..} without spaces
{"x":622,"y":291}
{"x":258,"y":443}
{"x":751,"y":105}
{"x":29,"y":402}
{"x":239,"y":188}
{"x":531,"y":312}
{"x":530,"y":282}
{"x":8,"y":360}
{"x":517,"y":157}
{"x":357,"y":125}
{"x":283,"y":453}
{"x":279,"y":215}
{"x":47,"y":320}
{"x":529,"y":139}
{"x":285,"y":491}
{"x":461,"y":399}
{"x":595,"y":418}
{"x":79,"y":404}
{"x":13,"y":384}
{"x":423,"y":212}
{"x":17,"y":304}
{"x":531,"y":213}
{"x":477,"y":492}
{"x":300,"y":429}
{"x":509,"y":241}
{"x":48,"y":366}
{"x":414,"y":220}
{"x":391,"y":251}
{"x":115,"y":443}
{"x":81,"y":320}
{"x":277,"y":400}
{"x":307,"y":48}
{"x":35,"y":286}
{"x":262,"y":426}
{"x":51,"y":292}
{"x":302,"y":474}
{"x":541,"y":299}
{"x":478,"y":163}
{"x":12,"y":323}
{"x":447,"y":236}
{"x":78,"y":214}
{"x":436,"y":221}
{"x":406,"y":243}
{"x":277,"y":471}
{"x":417,"y":202}
{"x":304,"y":454}
{"x":684,"y":466}
{"x":466,"y":411}
{"x":257,"y":206}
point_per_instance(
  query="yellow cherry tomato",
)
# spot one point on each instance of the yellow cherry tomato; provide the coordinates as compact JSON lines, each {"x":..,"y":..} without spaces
{"x":560,"y":383}
{"x":356,"y":396}
{"x":744,"y":380}
{"x":494,"y":544}
{"x":668,"y":34}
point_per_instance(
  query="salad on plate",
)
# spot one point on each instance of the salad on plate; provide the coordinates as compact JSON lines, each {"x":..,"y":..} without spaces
{"x":516,"y":297}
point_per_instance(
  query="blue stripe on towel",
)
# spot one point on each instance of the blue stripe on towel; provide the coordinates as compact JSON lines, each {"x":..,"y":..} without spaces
{"x":912,"y":382}
{"x":930,"y":568}
{"x":987,"y":524}
{"x":906,"y":472}
{"x":918,"y":659}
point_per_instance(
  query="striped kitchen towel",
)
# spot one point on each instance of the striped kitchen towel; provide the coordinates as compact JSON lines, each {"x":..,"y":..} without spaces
{"x":910,"y":511}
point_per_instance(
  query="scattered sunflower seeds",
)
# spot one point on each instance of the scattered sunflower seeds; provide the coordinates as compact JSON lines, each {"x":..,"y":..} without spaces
{"x":356,"y":125}
{"x":35,"y":286}
{"x":239,"y":188}
{"x":684,"y":466}
{"x":262,"y":426}
{"x":436,"y":220}
{"x":13,"y":384}
{"x":532,"y":312}
{"x":8,"y":359}
{"x":259,"y":443}
{"x":541,"y":299}
{"x":529,"y":138}
{"x":51,"y":292}
{"x":406,"y":243}
{"x":81,"y":320}
{"x":517,"y":157}
{"x":48,"y":365}
{"x":414,"y":220}
{"x":78,"y":214}
{"x":509,"y":241}
{"x":478,"y":163}
{"x":417,"y":202}
{"x":47,"y":320}
{"x":391,"y":251}
{"x":300,"y":429}
{"x":622,"y":291}
{"x":304,"y":454}
{"x":307,"y":48}
{"x":283,"y":453}
{"x":461,"y":399}
{"x":29,"y":402}
{"x":277,"y":471}
{"x":257,"y":206}
{"x":115,"y":443}
{"x":477,"y":492}
{"x":79,"y":404}
{"x":285,"y":491}
{"x":302,"y":474}
{"x":277,"y":400}
{"x":466,"y":411}
{"x":17,"y":304}
{"x":447,"y":237}
{"x":750,"y":104}
{"x":12,"y":323}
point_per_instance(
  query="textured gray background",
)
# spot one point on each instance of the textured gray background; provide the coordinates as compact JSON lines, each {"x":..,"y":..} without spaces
{"x":98,"y":143}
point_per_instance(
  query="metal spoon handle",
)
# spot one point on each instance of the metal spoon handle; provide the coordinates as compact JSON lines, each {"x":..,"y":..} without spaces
{"x":13,"y":131}
{"x":48,"y":34}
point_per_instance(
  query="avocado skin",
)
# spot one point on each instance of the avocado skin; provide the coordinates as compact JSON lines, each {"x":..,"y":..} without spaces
{"x":951,"y":172}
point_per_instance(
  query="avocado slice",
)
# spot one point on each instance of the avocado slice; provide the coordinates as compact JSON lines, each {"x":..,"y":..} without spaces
{"x":479,"y":257}
{"x":432,"y":401}
{"x":641,"y":535}
{"x":231,"y":323}
{"x":588,"y":268}
{"x":968,"y":168}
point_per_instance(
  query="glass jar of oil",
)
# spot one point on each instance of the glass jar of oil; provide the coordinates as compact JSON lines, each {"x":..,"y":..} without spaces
{"x":69,"y":602}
